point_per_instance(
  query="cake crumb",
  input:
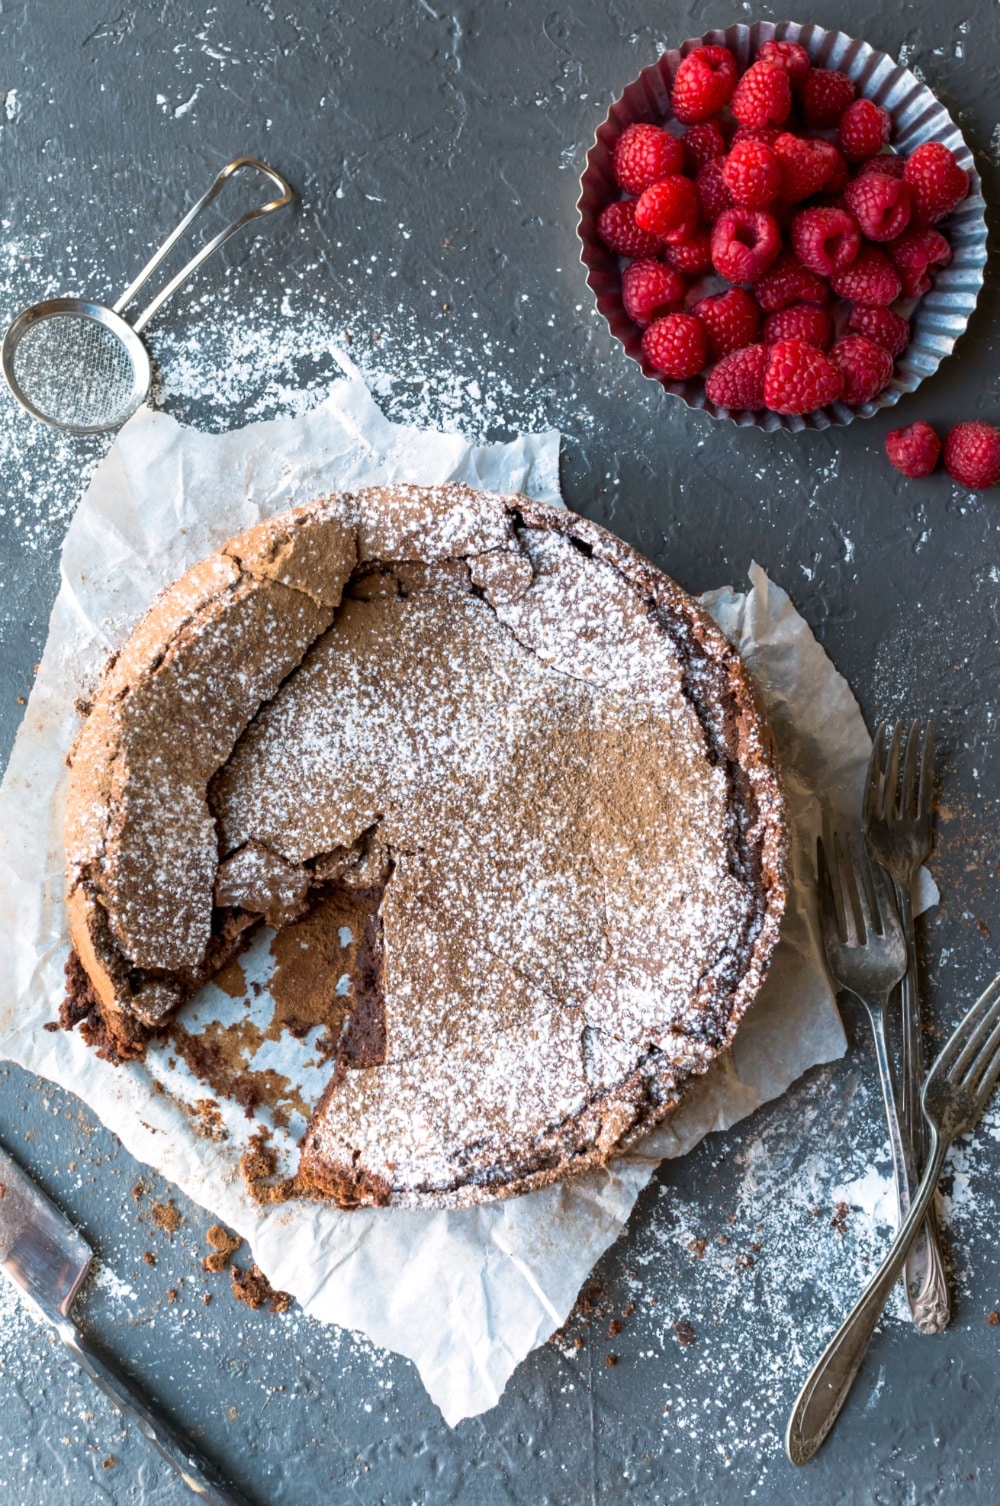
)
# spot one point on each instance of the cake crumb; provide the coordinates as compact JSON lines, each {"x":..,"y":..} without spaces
{"x":253,"y":1288}
{"x":171,"y":1295}
{"x":166,"y":1217}
{"x":993,"y":1319}
{"x":223,"y":1245}
{"x":610,"y":1360}
{"x":697,"y":1247}
{"x":149,"y":1257}
{"x":108,"y":1462}
{"x":685,"y":1333}
{"x":841,"y":1213}
{"x":614,"y":1328}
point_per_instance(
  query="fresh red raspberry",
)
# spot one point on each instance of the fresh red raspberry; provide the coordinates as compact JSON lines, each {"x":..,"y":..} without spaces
{"x":914,"y":451}
{"x":864,"y":130}
{"x":972,"y":454}
{"x":837,"y":181}
{"x":787,"y":282}
{"x":800,"y":378}
{"x":693,"y":257}
{"x":768,"y":135}
{"x":871,"y":278}
{"x":730,"y":321}
{"x":807,"y":164}
{"x":668,"y":209}
{"x":888,"y":165}
{"x":825,"y":240}
{"x":788,"y":55}
{"x":738,"y":380}
{"x":881,"y":206}
{"x":618,"y":230}
{"x":800,"y":321}
{"x":649,"y":288}
{"x":763,"y":96}
{"x":881,"y":325}
{"x":713,"y":195}
{"x":644,"y":154}
{"x":915,"y":254}
{"x":703,"y":84}
{"x":865,"y":367}
{"x":936,"y":181}
{"x":744,"y":244}
{"x":676,"y":346}
{"x":825,"y":95}
{"x":703,"y":143}
{"x":752,"y":174}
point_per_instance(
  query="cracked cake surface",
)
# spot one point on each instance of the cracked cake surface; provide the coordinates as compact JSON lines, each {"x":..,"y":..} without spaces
{"x":520,"y":755}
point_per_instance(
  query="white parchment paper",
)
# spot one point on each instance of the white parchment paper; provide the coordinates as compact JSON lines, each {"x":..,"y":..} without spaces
{"x":464,"y":1294}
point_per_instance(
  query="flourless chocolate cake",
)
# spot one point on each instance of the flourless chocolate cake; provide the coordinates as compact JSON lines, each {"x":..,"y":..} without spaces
{"x":519,"y":757}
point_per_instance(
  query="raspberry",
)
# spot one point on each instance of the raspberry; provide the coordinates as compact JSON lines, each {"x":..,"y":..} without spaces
{"x":800,"y":378}
{"x":800,"y":321}
{"x":972,"y":454}
{"x":644,"y":154}
{"x":936,"y":181}
{"x":885,"y":164}
{"x":713,"y":195}
{"x":825,"y":240}
{"x":691,"y":257}
{"x":881,"y":206}
{"x":668,"y":209}
{"x":871,"y":278}
{"x":618,"y":230}
{"x":915,"y":253}
{"x":649,"y":288}
{"x":787,"y":282}
{"x":703,"y":143}
{"x":788,"y":55}
{"x":837,"y":181}
{"x":744,"y":244}
{"x":807,"y":164}
{"x":738,"y":380}
{"x":914,"y":451}
{"x":703,"y":84}
{"x":752,"y":174}
{"x":864,"y":130}
{"x":676,"y":346}
{"x":730,"y":321}
{"x":763,"y":96}
{"x":825,"y":95}
{"x":766,"y":134}
{"x":880,"y":325}
{"x":865,"y":366}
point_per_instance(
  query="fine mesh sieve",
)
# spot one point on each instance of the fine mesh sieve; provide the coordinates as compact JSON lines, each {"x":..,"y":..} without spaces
{"x":79,"y":365}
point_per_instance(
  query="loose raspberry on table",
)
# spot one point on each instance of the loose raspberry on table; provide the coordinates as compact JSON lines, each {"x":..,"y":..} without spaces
{"x":914,"y":451}
{"x":915,"y":255}
{"x":752,"y":174}
{"x":644,"y":154}
{"x":713,"y":195}
{"x":618,"y":230}
{"x":825,"y":95}
{"x":788,"y":55}
{"x":649,"y":288}
{"x":703,"y":84}
{"x":886,"y":164}
{"x":763,"y":96}
{"x":692,"y":257}
{"x":870,"y":278}
{"x":825,"y":240}
{"x":972,"y":454}
{"x":703,"y":143}
{"x":730,"y":320}
{"x":881,"y":325}
{"x":668,"y":209}
{"x":788,"y":281}
{"x":738,"y":380}
{"x":807,"y":165}
{"x":744,"y":244}
{"x":676,"y":346}
{"x":936,"y":181}
{"x":800,"y":321}
{"x":881,"y":206}
{"x":865,"y":367}
{"x":864,"y":129}
{"x":799,"y":378}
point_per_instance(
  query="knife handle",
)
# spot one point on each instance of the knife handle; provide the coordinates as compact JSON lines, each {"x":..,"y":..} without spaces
{"x":197,"y":1472}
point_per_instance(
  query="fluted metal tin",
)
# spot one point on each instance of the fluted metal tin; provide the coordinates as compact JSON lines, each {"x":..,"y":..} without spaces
{"x":939,"y":318}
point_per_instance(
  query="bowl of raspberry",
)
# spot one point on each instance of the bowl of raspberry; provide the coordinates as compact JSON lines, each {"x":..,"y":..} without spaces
{"x":782,"y":226}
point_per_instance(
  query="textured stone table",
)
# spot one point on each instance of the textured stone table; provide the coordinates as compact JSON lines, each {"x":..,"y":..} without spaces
{"x":437,"y":154}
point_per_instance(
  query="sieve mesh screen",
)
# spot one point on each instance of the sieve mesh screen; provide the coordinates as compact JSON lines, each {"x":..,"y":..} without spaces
{"x":77,"y":371}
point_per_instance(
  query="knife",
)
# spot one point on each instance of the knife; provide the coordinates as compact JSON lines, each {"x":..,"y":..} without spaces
{"x":48,"y":1262}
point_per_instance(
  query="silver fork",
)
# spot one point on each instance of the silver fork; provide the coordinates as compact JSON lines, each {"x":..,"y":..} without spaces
{"x":954,"y":1096}
{"x":897,"y":817}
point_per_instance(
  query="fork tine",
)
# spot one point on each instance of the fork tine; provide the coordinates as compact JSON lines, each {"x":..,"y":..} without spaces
{"x":984,"y":1059}
{"x":890,"y":798}
{"x":863,"y":884}
{"x":855,"y":901}
{"x":886,"y":912}
{"x":911,"y":770}
{"x":830,"y":869}
{"x":969,"y":1034}
{"x":925,"y":788}
{"x":988,"y":1082}
{"x":873,"y":809}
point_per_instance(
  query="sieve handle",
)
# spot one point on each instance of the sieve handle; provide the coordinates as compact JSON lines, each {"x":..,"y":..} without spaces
{"x":286,"y":195}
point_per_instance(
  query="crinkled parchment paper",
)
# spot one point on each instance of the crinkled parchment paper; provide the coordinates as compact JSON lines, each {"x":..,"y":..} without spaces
{"x":464,"y":1294}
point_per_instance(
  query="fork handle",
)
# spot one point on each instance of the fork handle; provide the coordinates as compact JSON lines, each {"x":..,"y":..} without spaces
{"x":821,"y":1399}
